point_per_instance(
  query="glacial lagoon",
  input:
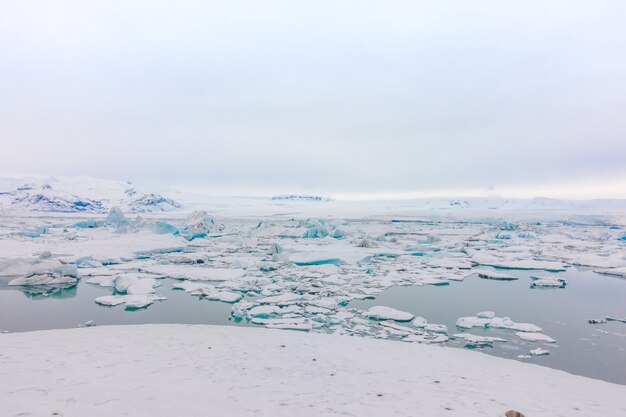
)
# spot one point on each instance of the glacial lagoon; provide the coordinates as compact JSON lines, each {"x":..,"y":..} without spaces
{"x":593,"y":350}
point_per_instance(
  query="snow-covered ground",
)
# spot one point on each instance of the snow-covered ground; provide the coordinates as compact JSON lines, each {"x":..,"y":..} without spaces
{"x":182,"y":370}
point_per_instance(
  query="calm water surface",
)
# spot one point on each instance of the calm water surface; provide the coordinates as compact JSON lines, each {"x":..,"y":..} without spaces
{"x":597,"y":351}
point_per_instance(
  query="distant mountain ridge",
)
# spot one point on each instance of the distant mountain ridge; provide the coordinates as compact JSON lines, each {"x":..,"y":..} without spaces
{"x":78,"y":195}
{"x":81,"y":194}
{"x":297,"y":197}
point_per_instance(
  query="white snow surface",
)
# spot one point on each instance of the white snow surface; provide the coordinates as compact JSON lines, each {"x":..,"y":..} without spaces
{"x":197,"y":370}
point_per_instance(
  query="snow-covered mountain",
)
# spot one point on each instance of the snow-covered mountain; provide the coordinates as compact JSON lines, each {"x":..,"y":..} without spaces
{"x":77,"y":195}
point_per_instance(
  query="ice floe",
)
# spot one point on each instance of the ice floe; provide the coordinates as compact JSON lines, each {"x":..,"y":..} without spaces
{"x":495,"y":275}
{"x":547,"y":282}
{"x":388,"y":313}
{"x":496,"y":323}
{"x":131,"y":301}
{"x":539,"y":352}
{"x":534,"y":337}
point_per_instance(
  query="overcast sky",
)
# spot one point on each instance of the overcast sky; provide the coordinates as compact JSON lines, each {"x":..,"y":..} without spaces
{"x":337,"y":97}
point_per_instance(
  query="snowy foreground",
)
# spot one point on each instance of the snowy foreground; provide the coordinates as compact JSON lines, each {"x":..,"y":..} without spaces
{"x":183,"y":370}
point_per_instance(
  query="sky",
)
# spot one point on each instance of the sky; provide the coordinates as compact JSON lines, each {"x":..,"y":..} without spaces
{"x":358,"y":99}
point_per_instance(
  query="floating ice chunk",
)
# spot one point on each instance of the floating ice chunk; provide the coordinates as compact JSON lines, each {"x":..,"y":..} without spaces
{"x":103,"y":281}
{"x":224,"y":296}
{"x":507,"y":323}
{"x":133,"y":301}
{"x":44,"y":279}
{"x":327,"y":303}
{"x":317,"y":310}
{"x":188,"y":286}
{"x":87,"y":262}
{"x":282,"y":299}
{"x":89,"y":323}
{"x":500,"y":276}
{"x":28,"y":267}
{"x":275,"y":249}
{"x":436,"y":328}
{"x":398,"y":329}
{"x":196,"y":273}
{"x":419,"y":322}
{"x":475,"y":341}
{"x":164,"y":228}
{"x":315,"y":229}
{"x":496,"y":322}
{"x":539,"y":352}
{"x":186,"y":258}
{"x":38,"y":231}
{"x":526,"y":264}
{"x":116,"y":219}
{"x":535,"y":337}
{"x":264,"y":311}
{"x":616,"y":272}
{"x":199,"y":225}
{"x":486,"y":314}
{"x":142,"y":286}
{"x":326,"y":261}
{"x":208,"y":292}
{"x":426,"y":338}
{"x":450,"y":263}
{"x":293,"y":323}
{"x":434,"y":281}
{"x":616,"y":319}
{"x":135,"y":284}
{"x":547,"y":282}
{"x":470,"y":322}
{"x":388,"y":313}
{"x":430,"y":239}
{"x":365,"y":243}
{"x":86,"y":224}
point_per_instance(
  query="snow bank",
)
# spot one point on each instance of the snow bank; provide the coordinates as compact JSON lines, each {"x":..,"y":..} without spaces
{"x":183,"y":370}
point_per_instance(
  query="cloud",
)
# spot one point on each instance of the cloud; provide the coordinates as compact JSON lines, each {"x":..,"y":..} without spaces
{"x":357,"y":97}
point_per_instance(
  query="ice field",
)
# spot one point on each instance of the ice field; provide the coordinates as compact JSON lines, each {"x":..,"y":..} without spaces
{"x":522,"y":285}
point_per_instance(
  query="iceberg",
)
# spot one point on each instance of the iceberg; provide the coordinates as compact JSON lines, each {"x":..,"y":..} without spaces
{"x":116,"y":219}
{"x":315,"y":229}
{"x":199,"y":225}
{"x":164,"y":228}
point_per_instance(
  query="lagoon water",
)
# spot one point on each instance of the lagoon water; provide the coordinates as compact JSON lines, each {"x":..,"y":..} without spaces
{"x":597,"y":351}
